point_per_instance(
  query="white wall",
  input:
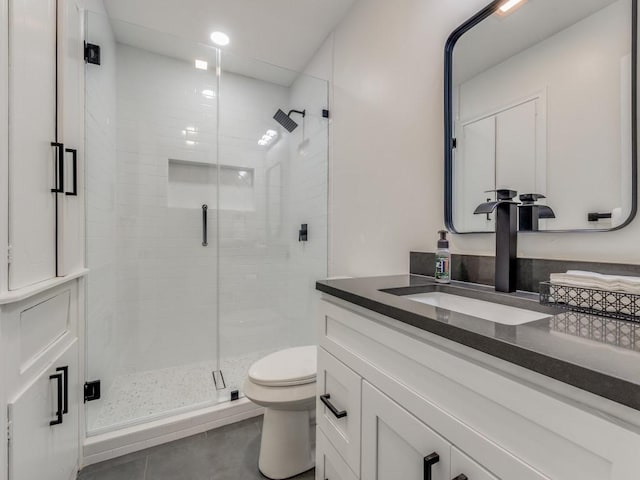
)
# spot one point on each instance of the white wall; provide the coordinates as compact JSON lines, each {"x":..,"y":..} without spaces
{"x":387,"y":161}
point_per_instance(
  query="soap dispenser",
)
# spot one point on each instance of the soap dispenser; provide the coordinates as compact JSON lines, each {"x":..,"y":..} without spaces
{"x":443,"y":259}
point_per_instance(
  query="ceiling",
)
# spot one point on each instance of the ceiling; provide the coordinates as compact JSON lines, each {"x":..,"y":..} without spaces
{"x":498,"y":38}
{"x":282,"y":32}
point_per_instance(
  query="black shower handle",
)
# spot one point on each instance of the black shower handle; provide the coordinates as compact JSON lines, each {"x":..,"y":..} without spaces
{"x":205,"y":207}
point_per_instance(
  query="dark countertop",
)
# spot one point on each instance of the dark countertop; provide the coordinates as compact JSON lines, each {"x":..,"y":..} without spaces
{"x":596,"y":354}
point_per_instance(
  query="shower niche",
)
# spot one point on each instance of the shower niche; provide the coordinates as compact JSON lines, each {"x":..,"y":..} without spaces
{"x":193,"y":184}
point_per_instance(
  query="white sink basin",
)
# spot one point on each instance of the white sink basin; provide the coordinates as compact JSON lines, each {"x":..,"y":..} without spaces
{"x":493,"y":312}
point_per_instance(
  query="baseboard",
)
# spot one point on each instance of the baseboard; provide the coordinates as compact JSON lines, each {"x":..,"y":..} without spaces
{"x":132,"y":439}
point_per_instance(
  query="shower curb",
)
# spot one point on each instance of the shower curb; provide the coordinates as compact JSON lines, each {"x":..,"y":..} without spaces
{"x":107,"y":446}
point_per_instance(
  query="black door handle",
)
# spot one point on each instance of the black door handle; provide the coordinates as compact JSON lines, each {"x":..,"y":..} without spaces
{"x":65,"y":384}
{"x":462,"y":476}
{"x":74,"y":164}
{"x":337,"y":413}
{"x":58,"y":378}
{"x":430,"y":461}
{"x":205,"y":242}
{"x":59,"y":188}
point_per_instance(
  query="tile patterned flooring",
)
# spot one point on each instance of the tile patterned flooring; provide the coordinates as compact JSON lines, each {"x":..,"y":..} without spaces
{"x":227,"y":453}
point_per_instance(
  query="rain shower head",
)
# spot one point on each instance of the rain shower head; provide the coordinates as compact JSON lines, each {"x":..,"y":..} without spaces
{"x":285,"y":120}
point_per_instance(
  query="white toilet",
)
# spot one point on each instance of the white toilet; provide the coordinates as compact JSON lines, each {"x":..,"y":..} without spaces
{"x":284,"y":383}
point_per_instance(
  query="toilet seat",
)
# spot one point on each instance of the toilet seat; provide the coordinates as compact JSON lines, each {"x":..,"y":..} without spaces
{"x":286,"y":368}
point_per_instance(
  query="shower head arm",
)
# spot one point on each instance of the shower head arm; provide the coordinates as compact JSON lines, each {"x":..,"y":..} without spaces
{"x":301,"y":112}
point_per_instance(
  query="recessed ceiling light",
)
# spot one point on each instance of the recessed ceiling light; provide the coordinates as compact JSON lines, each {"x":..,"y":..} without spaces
{"x":220,"y":39}
{"x":509,"y":5}
{"x":201,"y":64}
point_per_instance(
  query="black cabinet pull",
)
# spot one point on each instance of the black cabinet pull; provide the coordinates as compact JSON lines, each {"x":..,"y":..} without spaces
{"x":59,"y":188}
{"x":430,"y":461}
{"x":462,"y":476}
{"x":74,"y":165}
{"x":337,"y":413}
{"x":65,"y":385}
{"x":205,"y":207}
{"x":58,"y":378}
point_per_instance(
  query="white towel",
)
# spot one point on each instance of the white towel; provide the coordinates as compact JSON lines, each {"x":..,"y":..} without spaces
{"x":598,"y":281}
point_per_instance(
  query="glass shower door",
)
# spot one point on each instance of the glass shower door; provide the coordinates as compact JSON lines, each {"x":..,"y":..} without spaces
{"x":273,"y":189}
{"x":152,"y":250}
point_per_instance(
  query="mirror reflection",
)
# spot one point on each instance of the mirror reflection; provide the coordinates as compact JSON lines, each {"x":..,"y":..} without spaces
{"x":541,"y":104}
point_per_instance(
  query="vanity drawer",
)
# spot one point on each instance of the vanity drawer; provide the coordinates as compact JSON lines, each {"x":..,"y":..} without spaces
{"x":463,"y":465}
{"x":329,"y":463}
{"x":338,"y":407}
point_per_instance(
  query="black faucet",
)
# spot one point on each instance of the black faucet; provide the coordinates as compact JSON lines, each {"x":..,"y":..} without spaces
{"x":506,"y":237}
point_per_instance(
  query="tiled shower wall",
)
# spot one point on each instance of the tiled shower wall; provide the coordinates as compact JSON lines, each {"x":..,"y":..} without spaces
{"x":155,"y":301}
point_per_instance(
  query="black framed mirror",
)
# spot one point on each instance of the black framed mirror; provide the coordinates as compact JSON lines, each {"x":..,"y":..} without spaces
{"x":541,"y":98}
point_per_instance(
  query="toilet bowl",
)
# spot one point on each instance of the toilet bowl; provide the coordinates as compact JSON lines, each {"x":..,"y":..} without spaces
{"x":284,"y":383}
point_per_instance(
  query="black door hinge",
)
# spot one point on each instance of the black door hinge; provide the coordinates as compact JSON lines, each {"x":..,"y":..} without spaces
{"x":91,"y":391}
{"x":92,"y":53}
{"x":454,"y":143}
{"x":325,"y":113}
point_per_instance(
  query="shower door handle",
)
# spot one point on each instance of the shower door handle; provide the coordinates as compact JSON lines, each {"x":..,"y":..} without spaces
{"x":205,"y":207}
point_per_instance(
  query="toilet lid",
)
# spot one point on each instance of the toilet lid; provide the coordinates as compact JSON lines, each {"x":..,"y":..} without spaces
{"x":293,"y":366}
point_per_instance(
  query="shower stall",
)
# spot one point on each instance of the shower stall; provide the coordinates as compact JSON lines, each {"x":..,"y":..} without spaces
{"x":206,"y":220}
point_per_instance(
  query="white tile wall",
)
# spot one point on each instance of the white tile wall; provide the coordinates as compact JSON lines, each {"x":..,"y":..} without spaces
{"x":161,"y":306}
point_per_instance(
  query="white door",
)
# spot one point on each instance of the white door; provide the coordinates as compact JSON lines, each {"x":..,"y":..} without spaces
{"x":32,"y":128}
{"x":71,"y":132}
{"x":396,"y":445}
{"x":475,"y":174}
{"x":516,"y":149}
{"x":38,"y":449}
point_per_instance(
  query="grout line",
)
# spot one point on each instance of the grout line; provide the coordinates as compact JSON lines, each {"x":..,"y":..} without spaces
{"x":146,"y":467}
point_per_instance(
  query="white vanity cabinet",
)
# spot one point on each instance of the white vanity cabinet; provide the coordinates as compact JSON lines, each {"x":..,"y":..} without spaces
{"x":46,"y":122}
{"x":411,"y":397}
{"x":43,"y":422}
{"x":395,"y":444}
{"x":39,"y":352}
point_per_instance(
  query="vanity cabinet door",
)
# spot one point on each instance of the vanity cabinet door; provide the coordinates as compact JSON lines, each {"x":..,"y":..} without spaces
{"x":463,"y":467}
{"x":396,"y":445}
{"x":329,"y":463}
{"x":44,"y":423}
{"x":338,"y":406}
